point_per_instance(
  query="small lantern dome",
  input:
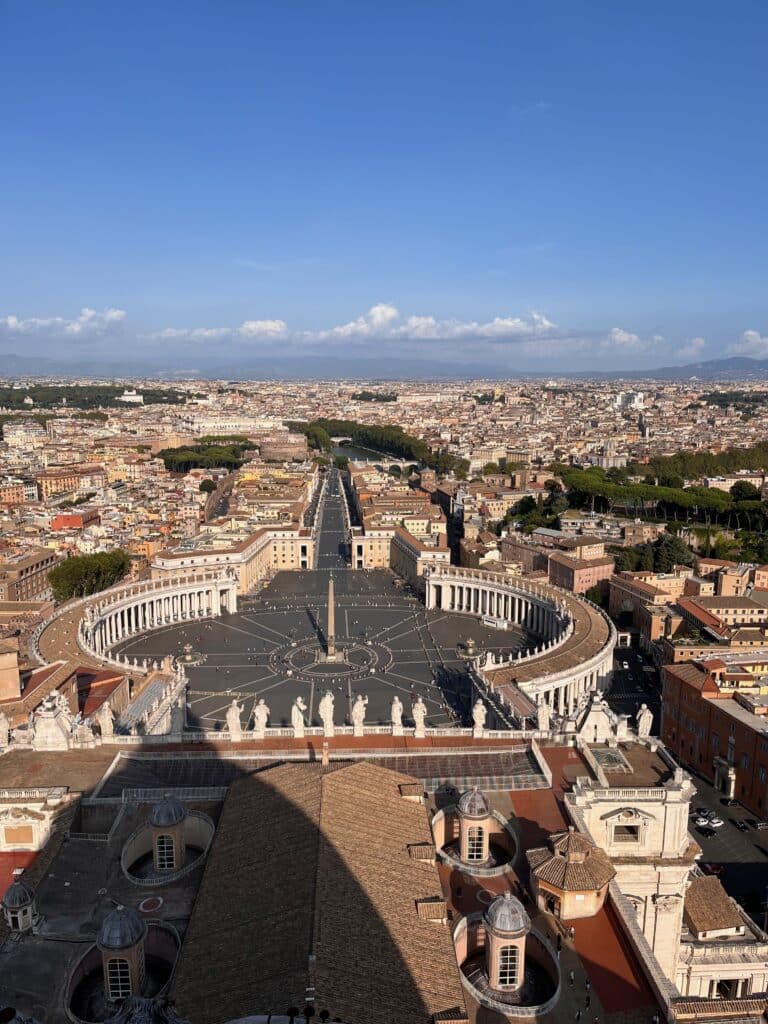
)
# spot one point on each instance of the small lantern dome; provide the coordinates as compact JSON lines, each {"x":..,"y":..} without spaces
{"x":18,"y":895}
{"x":506,"y":914}
{"x":474,"y":804}
{"x":122,"y":928}
{"x":168,"y":812}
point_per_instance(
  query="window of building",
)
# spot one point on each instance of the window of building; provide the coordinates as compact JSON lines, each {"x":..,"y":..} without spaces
{"x":508,"y":961}
{"x":166,"y":859}
{"x":626,"y":833}
{"x":475,"y":844}
{"x":118,"y":978}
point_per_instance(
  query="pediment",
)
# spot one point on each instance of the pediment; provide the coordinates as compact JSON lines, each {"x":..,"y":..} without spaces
{"x":19,"y":814}
{"x":627,"y":816}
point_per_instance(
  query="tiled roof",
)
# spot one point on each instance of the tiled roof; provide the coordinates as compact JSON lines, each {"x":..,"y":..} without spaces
{"x":571,"y":863}
{"x":310,"y":893}
{"x":708,"y":907}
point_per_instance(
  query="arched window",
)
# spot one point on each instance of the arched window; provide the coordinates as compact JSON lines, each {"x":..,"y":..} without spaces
{"x":475,"y":844}
{"x":118,"y":978}
{"x":508,"y":965}
{"x":166,"y":857}
{"x":16,"y":920}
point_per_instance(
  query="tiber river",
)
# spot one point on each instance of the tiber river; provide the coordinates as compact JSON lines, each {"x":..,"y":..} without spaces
{"x":364,"y":454}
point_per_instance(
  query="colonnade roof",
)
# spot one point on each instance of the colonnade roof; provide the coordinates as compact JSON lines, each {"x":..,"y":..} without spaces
{"x":591,"y":633}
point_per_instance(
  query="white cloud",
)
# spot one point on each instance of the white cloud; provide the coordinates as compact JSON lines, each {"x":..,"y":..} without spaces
{"x":385,"y":322}
{"x":262,"y":328}
{"x":375,"y":323}
{"x":625,"y":341}
{"x":253,"y":329}
{"x":751,"y":343}
{"x":90,"y":321}
{"x":382,"y":322}
{"x":692,"y":349}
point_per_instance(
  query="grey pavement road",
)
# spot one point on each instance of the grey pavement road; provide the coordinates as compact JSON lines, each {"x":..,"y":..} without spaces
{"x":634,"y":685}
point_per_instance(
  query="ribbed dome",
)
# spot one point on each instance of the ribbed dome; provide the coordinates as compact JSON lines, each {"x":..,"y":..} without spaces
{"x":121,"y":929}
{"x":169,"y":811}
{"x":507,"y":914}
{"x":473,"y":804}
{"x":18,"y":895}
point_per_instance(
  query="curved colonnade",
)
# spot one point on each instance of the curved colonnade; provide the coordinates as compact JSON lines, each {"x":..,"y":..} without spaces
{"x":575,"y":655}
{"x":141,"y":607}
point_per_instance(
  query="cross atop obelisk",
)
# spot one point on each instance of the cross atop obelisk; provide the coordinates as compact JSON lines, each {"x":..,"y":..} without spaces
{"x":331,"y":634}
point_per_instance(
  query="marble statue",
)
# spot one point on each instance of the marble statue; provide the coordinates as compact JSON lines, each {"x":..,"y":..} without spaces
{"x":358,"y":714}
{"x":543,"y":716}
{"x":5,"y":730}
{"x":479,"y":715}
{"x":297,"y":717}
{"x":233,"y":721}
{"x":83,"y":731}
{"x":260,"y":717}
{"x":325,"y":710}
{"x":396,"y":714}
{"x":644,"y":721}
{"x":419,"y":712}
{"x":105,"y":720}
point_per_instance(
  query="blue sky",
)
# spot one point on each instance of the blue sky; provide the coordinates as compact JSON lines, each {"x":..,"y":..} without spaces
{"x":490,"y":184}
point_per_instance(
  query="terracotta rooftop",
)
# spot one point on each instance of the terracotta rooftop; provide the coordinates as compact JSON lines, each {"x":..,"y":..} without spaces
{"x":708,"y":907}
{"x":309,"y":892}
{"x":78,"y":770}
{"x":571,"y":862}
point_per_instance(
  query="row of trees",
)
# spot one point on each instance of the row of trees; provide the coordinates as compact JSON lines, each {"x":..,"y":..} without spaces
{"x":695,"y":465}
{"x":88,"y":574}
{"x":595,"y":489}
{"x":374,"y":396}
{"x":203,"y":456}
{"x":81,"y":396}
{"x":389,"y":440}
{"x":660,"y":555}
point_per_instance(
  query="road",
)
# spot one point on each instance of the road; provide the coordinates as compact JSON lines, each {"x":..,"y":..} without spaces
{"x":332,"y":546}
{"x":633,"y":686}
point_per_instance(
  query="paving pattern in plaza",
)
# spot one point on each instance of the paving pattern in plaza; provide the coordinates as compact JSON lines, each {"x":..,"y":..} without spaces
{"x":270,"y":647}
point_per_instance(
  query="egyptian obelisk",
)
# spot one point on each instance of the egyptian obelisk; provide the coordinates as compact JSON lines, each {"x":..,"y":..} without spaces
{"x":330,"y":644}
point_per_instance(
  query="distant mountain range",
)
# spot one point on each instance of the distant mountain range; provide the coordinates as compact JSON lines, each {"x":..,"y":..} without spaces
{"x":378,"y":368}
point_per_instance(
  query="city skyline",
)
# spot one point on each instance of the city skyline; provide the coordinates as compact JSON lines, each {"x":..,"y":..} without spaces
{"x":479,"y":192}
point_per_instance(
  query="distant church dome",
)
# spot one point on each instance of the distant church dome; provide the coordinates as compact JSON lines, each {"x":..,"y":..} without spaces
{"x":507,"y":914}
{"x":169,"y":811}
{"x":122,"y":928}
{"x":473,"y":804}
{"x":18,"y":895}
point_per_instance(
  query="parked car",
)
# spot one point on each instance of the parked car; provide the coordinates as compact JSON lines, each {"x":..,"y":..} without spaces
{"x":729,"y":801}
{"x":706,"y":831}
{"x":716,"y":822}
{"x":742,"y":826}
{"x":760,"y":825}
{"x":712,"y":821}
{"x":713,"y":869}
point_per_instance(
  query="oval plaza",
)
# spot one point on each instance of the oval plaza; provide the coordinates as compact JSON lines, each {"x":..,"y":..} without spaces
{"x":187,"y":738}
